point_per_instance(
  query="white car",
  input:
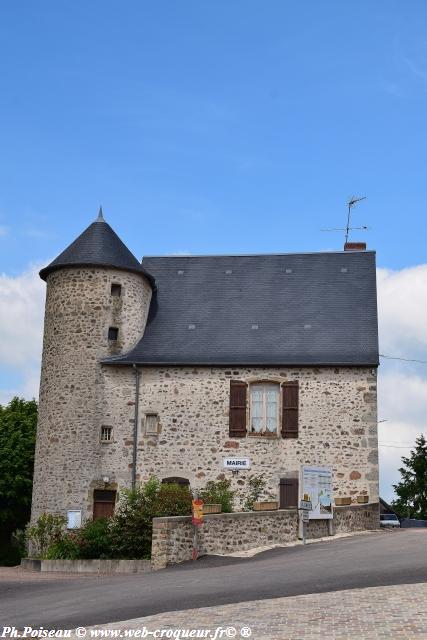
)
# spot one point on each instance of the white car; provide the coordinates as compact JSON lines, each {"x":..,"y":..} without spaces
{"x":389,"y":520}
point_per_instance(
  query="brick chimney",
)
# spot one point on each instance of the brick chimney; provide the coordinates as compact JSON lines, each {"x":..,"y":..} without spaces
{"x":355,"y":246}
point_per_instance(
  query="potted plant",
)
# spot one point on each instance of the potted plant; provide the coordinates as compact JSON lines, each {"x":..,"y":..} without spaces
{"x":266,"y":505}
{"x":342,"y":501}
{"x":362,"y":499}
{"x":212,"y":508}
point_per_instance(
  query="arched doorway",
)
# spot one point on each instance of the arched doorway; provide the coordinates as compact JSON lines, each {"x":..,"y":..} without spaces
{"x":182,"y":482}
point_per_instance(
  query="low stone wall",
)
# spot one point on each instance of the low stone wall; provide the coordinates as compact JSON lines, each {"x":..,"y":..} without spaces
{"x":357,"y":517}
{"x":220,"y":533}
{"x":87,"y":566}
{"x":229,"y":532}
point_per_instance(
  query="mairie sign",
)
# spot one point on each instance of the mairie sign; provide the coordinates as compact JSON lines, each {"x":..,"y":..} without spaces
{"x":236,"y":464}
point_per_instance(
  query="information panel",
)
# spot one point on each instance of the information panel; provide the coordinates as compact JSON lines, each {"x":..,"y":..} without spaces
{"x":316,"y":483}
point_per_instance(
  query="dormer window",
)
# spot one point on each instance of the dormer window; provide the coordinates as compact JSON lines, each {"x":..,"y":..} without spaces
{"x":113,"y":334}
{"x":116,"y":290}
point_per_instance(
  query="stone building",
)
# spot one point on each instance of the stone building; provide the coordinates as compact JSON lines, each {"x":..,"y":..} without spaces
{"x":172,"y":365}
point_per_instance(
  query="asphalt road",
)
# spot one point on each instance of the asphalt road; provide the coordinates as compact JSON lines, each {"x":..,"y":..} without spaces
{"x":383,"y":558}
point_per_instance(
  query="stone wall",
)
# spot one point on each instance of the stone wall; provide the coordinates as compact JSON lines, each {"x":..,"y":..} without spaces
{"x":337,"y":426}
{"x":356,"y":518}
{"x":78,"y":395}
{"x":230,"y":532}
{"x":79,"y":311}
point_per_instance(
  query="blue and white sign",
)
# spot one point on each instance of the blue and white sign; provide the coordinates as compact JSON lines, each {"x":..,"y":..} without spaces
{"x":237,"y":464}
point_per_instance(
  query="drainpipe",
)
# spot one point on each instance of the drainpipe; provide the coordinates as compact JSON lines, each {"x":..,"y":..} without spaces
{"x":135,"y":426}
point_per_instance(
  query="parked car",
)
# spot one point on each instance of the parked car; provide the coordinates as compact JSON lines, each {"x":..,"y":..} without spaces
{"x":389,"y":520}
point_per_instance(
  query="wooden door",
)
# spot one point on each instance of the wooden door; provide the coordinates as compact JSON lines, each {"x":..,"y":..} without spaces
{"x":288,"y":493}
{"x":103,"y":503}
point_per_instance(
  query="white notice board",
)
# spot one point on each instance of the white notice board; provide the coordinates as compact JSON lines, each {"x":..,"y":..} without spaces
{"x":316,"y":485}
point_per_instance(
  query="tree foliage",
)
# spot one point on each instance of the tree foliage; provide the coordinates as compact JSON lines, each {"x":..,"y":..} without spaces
{"x":412,"y":489}
{"x":18,"y":421}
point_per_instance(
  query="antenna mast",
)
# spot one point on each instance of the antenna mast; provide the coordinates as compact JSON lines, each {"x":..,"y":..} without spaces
{"x":351,"y":203}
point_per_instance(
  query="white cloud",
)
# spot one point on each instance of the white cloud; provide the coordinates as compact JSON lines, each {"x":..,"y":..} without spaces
{"x":403,"y":403}
{"x":402,"y":386}
{"x":21,"y":325}
{"x":402,"y":307}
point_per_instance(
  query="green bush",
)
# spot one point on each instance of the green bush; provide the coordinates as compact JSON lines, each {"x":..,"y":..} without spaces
{"x":173,"y":500}
{"x":256,"y":489}
{"x":132,"y":524}
{"x":67,"y":548}
{"x":218,"y":492}
{"x":94,"y":539}
{"x":48,"y":529}
{"x":127,"y":534}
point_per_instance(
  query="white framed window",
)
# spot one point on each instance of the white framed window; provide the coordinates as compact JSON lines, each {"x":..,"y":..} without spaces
{"x":264,"y":408}
{"x":74,"y":519}
{"x":151,"y":423}
{"x":106,"y":434}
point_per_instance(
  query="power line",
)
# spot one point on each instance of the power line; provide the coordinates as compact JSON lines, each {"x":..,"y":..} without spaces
{"x":394,"y":446}
{"x":404,"y":359}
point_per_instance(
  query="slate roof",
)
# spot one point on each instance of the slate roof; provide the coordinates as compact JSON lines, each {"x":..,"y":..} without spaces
{"x":97,"y":246}
{"x":289,"y":309}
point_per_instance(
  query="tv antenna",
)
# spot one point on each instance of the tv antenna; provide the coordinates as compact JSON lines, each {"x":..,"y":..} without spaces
{"x":350,"y":204}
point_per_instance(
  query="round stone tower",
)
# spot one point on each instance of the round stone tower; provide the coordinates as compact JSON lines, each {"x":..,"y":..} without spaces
{"x":97,"y":301}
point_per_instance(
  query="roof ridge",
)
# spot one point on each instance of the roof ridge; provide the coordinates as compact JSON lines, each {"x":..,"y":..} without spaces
{"x":259,"y":255}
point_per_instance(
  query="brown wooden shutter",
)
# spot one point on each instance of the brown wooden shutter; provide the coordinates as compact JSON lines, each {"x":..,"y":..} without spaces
{"x":237,"y":424}
{"x":290,"y":410}
{"x":288,"y":493}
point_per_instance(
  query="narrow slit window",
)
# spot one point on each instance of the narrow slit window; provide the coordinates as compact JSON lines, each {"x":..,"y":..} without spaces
{"x":151,"y":423}
{"x":116,"y":290}
{"x":113,"y":334}
{"x":106,"y":434}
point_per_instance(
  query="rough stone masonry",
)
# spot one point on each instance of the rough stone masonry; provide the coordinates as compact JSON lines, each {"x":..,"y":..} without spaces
{"x":88,"y":380}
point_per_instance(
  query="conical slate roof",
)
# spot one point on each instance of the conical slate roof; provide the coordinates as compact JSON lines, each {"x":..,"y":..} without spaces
{"x":97,"y":246}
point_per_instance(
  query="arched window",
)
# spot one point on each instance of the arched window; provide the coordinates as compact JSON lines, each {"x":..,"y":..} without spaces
{"x":182,"y":482}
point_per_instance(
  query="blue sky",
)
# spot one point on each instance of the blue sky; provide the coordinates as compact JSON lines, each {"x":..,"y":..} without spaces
{"x":213,"y":127}
{"x":217,"y":127}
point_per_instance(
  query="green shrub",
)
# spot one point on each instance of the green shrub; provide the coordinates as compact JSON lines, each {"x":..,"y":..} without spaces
{"x":127,"y":534}
{"x":67,"y":548}
{"x":173,"y":500}
{"x":256,"y":488}
{"x":48,"y":529}
{"x":218,"y":492}
{"x":94,"y":539}
{"x":132,"y":524}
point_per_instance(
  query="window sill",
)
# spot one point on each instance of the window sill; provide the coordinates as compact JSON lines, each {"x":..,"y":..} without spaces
{"x":264,"y":436}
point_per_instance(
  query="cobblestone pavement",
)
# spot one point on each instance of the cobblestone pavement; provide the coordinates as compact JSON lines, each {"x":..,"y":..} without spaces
{"x":398,"y":612}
